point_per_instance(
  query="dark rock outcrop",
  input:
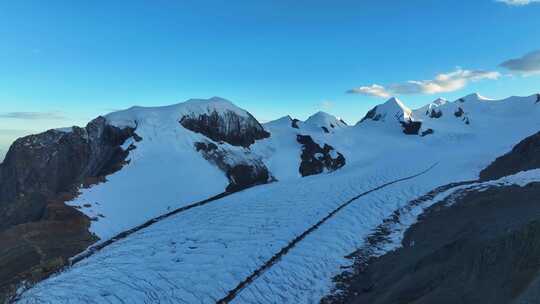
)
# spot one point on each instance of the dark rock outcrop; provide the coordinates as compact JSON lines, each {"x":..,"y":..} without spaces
{"x":315,"y":159}
{"x":32,"y":251}
{"x":537,"y":98}
{"x":459,"y":112}
{"x":427,"y":132}
{"x":243,"y":176}
{"x":325,"y":129}
{"x":483,"y":249}
{"x":294,"y":123}
{"x":38,"y":167}
{"x":38,"y":232}
{"x":248,"y":173}
{"x":524,"y":156}
{"x":435,"y":113}
{"x":227,"y":126}
{"x":372,"y":115}
{"x":411,"y":127}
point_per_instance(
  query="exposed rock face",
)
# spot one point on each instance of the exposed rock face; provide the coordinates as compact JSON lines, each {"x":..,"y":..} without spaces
{"x":243,"y":176}
{"x":537,"y":98}
{"x":34,"y":250}
{"x":247,"y":173}
{"x":411,"y":127}
{"x":316,"y":159}
{"x":483,"y":249}
{"x":294,"y":123}
{"x":372,"y":115}
{"x":435,"y":113}
{"x":524,"y":156}
{"x":38,"y":232}
{"x":227,"y":126}
{"x":459,"y":112}
{"x":40,"y":166}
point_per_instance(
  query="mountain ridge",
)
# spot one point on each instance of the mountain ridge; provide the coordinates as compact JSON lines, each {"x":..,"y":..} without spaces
{"x":172,"y":164}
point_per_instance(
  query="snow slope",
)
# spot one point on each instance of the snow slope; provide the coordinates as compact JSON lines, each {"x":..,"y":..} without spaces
{"x":200,"y":255}
{"x":322,"y":120}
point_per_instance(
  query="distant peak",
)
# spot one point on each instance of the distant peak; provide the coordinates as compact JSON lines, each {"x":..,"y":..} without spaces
{"x":392,"y":108}
{"x":393,"y":100}
{"x":440,"y":101}
{"x":323,"y":119}
{"x":214,"y":99}
{"x":474,"y":97}
{"x":321,"y":113}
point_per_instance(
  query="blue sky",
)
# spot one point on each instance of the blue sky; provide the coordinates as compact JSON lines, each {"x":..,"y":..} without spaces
{"x":65,"y":62}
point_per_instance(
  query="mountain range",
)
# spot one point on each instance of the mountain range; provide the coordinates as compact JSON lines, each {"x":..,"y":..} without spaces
{"x":198,"y":202}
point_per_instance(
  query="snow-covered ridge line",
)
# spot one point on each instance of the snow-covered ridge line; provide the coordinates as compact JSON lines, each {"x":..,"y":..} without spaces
{"x":131,"y":116}
{"x":231,"y":295}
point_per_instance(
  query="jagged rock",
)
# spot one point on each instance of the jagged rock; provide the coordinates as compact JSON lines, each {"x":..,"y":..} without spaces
{"x":459,"y":112}
{"x":38,"y":232}
{"x":243,"y":175}
{"x":315,"y":159}
{"x":411,"y":127}
{"x":372,"y":114}
{"x":294,"y":123}
{"x":435,"y":113}
{"x":524,"y":156}
{"x":38,"y":167}
{"x":537,"y":98}
{"x":325,"y":129}
{"x":227,"y":126}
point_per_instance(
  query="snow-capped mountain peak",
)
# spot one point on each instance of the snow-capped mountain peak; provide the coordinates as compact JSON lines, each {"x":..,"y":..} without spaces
{"x":473,"y":97}
{"x":439,"y":101}
{"x":325,"y":121}
{"x":391,"y":110}
{"x":216,"y":118}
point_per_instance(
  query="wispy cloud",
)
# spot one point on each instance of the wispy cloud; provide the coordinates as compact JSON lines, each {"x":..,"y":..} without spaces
{"x":527,"y":64}
{"x":34,"y":115}
{"x":518,"y":2}
{"x":326,"y":105}
{"x":442,"y":83}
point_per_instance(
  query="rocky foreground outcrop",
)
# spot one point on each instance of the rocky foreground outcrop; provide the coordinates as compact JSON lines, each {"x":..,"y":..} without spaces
{"x":38,"y":232}
{"x":483,"y":249}
{"x":477,"y":246}
{"x":524,"y":156}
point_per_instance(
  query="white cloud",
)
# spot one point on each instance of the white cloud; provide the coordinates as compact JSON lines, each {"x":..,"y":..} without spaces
{"x":33,"y":115}
{"x":518,"y":2}
{"x":372,"y":90}
{"x":442,"y":83}
{"x":527,"y":64}
{"x":326,"y":104}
